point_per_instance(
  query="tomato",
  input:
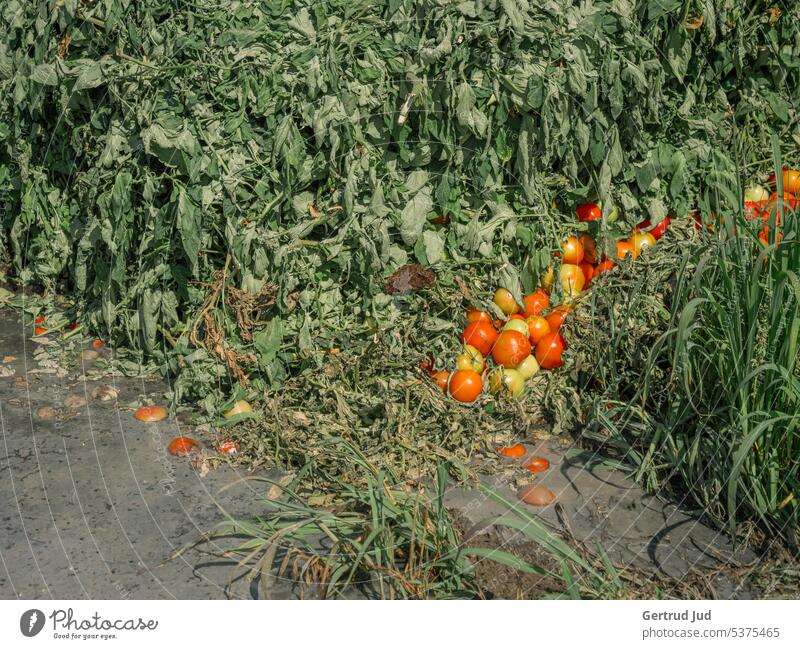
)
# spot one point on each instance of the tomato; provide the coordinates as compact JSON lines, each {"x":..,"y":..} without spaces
{"x":471,"y":359}
{"x":548,"y":351}
{"x":546,"y":280}
{"x":240,"y":407}
{"x":642,"y":226}
{"x":658,"y":230}
{"x":38,"y":331}
{"x":97,"y":344}
{"x":776,"y":205}
{"x":510,"y":348}
{"x":516,"y":316}
{"x":150,"y":413}
{"x":72,"y":327}
{"x":589,"y":248}
{"x":474,"y":315}
{"x":465,"y":386}
{"x":528,"y":367}
{"x":536,"y":494}
{"x":588,"y":272}
{"x":427,"y":365}
{"x":538,"y":327}
{"x":228,"y":447}
{"x":763,"y":236}
{"x":481,"y":335}
{"x":517,"y":325}
{"x":755,"y":194}
{"x":505,"y":300}
{"x":537,"y":464}
{"x":624,"y":248}
{"x":181,"y":446}
{"x":557,"y":317}
{"x":572,"y":279}
{"x":506,"y":381}
{"x":641,"y":241}
{"x":604,"y":266}
{"x":588,"y":212}
{"x":442,"y":377}
{"x":518,"y":450}
{"x":39,"y":320}
{"x":752,"y":210}
{"x":536,"y":302}
{"x":791,"y":181}
{"x":572,"y":251}
{"x":498,"y":324}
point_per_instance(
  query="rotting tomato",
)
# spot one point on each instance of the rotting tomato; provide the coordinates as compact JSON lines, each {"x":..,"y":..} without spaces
{"x":537,"y":327}
{"x":588,"y":212}
{"x":549,"y":350}
{"x":238,"y":408}
{"x":510,"y":348}
{"x":470,"y":359}
{"x":572,"y":251}
{"x":517,"y":450}
{"x":536,"y":302}
{"x":557,"y":317}
{"x":150,"y":413}
{"x":504,"y":299}
{"x":182,"y":446}
{"x":589,"y":247}
{"x":537,"y":464}
{"x":441,"y":378}
{"x":572,"y":279}
{"x":465,"y":386}
{"x":228,"y":447}
{"x":481,"y":335}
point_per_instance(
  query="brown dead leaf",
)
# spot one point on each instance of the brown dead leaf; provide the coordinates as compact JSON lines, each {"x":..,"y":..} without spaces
{"x":411,"y":277}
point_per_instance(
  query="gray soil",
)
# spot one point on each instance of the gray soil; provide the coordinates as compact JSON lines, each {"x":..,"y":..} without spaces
{"x":93,"y":506}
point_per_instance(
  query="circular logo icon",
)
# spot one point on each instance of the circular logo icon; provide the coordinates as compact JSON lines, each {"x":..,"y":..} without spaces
{"x":31,"y":622}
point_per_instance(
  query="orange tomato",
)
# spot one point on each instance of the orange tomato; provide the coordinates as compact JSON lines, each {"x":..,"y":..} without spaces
{"x":588,"y":272}
{"x":97,"y":344}
{"x":538,"y":327}
{"x":791,"y":181}
{"x":536,"y":302}
{"x":518,"y":450}
{"x":548,"y":351}
{"x":776,"y":205}
{"x":557,"y":317}
{"x":572,"y":251}
{"x":572,"y":279}
{"x":181,"y":446}
{"x":537,"y":464}
{"x":475,"y":315}
{"x":603,"y":266}
{"x":641,"y":241}
{"x":505,"y":300}
{"x":624,"y":248}
{"x":511,"y":348}
{"x":38,"y":331}
{"x":589,"y":248}
{"x":481,"y":335}
{"x":763,"y":236}
{"x":465,"y":386}
{"x":441,"y":377}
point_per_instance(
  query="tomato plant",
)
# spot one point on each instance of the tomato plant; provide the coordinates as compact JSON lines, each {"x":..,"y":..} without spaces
{"x":658,"y":230}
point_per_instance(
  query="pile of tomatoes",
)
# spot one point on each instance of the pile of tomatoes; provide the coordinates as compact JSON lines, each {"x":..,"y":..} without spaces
{"x":528,"y":338}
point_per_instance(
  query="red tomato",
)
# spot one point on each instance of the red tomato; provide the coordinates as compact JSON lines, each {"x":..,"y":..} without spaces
{"x":536,"y":302}
{"x":588,"y":212}
{"x":481,"y":335}
{"x":604,"y":266}
{"x":557,"y":317}
{"x":38,"y":331}
{"x":548,"y":351}
{"x":642,"y":226}
{"x":589,"y":248}
{"x":511,"y":348}
{"x":97,"y":344}
{"x":588,"y":272}
{"x":39,"y":320}
{"x":660,"y":228}
{"x":465,"y":386}
{"x":72,"y":327}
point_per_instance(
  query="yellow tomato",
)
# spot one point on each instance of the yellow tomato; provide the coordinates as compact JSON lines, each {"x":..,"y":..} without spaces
{"x":528,"y":367}
{"x":640,"y":241}
{"x":517,"y":324}
{"x":572,"y":279}
{"x":506,"y":381}
{"x":470,"y":359}
{"x":505,"y":300}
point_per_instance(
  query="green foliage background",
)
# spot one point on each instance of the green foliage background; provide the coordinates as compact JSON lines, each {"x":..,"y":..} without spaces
{"x":143,"y":142}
